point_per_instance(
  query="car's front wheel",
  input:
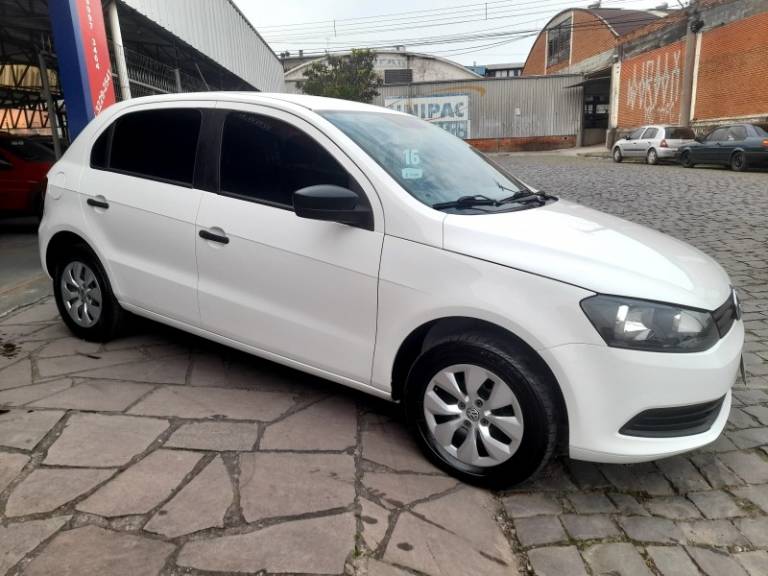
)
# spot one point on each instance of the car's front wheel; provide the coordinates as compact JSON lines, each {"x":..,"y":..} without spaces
{"x":685,"y":159}
{"x":617,"y":157}
{"x":84,"y":296}
{"x":482,"y":411}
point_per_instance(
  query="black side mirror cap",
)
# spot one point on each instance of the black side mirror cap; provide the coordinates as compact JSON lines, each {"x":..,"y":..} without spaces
{"x":334,"y":204}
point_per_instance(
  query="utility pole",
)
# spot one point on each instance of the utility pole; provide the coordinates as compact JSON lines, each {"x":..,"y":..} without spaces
{"x":694,"y":24}
{"x":117,"y":44}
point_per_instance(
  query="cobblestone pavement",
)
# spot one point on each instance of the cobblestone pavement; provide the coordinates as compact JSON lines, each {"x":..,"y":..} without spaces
{"x":163,"y":453}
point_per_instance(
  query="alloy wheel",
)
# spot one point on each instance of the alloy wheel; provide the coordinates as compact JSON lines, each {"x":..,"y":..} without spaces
{"x":81,"y":294}
{"x":473,"y":415}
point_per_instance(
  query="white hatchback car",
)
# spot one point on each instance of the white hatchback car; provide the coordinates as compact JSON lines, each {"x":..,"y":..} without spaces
{"x":373,"y":249}
{"x":653,"y":143}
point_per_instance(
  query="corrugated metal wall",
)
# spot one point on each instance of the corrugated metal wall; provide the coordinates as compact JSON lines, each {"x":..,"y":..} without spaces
{"x":218,"y":29}
{"x":507,"y":107}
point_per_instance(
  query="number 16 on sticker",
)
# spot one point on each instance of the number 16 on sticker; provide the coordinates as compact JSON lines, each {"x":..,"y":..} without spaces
{"x":412,"y":160}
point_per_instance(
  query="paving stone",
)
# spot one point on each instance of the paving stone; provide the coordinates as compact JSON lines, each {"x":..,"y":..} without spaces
{"x":68,"y":346}
{"x":217,"y":436}
{"x":755,"y":563}
{"x":682,"y":474}
{"x":168,"y":370}
{"x":316,"y":545}
{"x":186,"y":402}
{"x":539,"y":530}
{"x":747,"y":465}
{"x":26,"y":394}
{"x":401,"y":489}
{"x":628,"y":505}
{"x":587,"y":475}
{"x":59,"y":366}
{"x":750,"y":397}
{"x":17,"y":540}
{"x":43,"y":333}
{"x":557,"y":561}
{"x":716,"y":504}
{"x":94,"y":551}
{"x":712,"y":533}
{"x":589,"y":527}
{"x":672,"y":507}
{"x":526,"y":505}
{"x":553,"y":478}
{"x":43,"y":312}
{"x":143,"y":486}
{"x":758,"y":495}
{"x":10,"y":466}
{"x":372,"y":567}
{"x":15,"y":375}
{"x":672,"y":561}
{"x":715,"y":563}
{"x":471,"y":514}
{"x":375,"y":520}
{"x":717,"y":474}
{"x":421,"y":546}
{"x":722,"y":444}
{"x":97,"y":440}
{"x":96,"y":395}
{"x":45,"y":489}
{"x":758,"y":412}
{"x":755,"y":529}
{"x":278,"y":484}
{"x":591,"y":503}
{"x":637,"y":478}
{"x":658,"y":530}
{"x":23,"y":429}
{"x":388,"y":443}
{"x":749,"y":437}
{"x":618,"y":559}
{"x":199,"y":505}
{"x":330,"y":424}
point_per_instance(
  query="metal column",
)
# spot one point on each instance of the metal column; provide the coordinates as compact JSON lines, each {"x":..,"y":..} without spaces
{"x":117,"y":44}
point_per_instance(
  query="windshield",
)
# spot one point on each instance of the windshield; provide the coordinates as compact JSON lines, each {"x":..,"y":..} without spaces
{"x":431,"y":164}
{"x":761,"y":131}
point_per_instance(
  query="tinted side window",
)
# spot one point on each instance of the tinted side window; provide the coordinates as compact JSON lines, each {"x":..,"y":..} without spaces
{"x":636,"y":134}
{"x":651,"y":133}
{"x":737,"y":133}
{"x":680,"y":133}
{"x":100,"y":149}
{"x":157,"y":144}
{"x":718,"y":135}
{"x":268,"y":160}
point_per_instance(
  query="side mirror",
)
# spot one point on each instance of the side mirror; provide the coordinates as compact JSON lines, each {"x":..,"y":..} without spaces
{"x":628,"y":137}
{"x":698,"y":139}
{"x":332,"y":203}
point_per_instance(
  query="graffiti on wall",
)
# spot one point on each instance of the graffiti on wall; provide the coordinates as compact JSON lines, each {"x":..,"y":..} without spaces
{"x":654,"y":87}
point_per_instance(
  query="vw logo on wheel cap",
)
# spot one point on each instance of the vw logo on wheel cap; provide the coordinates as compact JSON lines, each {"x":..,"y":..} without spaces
{"x":473,"y":413}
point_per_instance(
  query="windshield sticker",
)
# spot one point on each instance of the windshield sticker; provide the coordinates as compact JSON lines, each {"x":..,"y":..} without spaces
{"x":412,"y":160}
{"x":412,"y":173}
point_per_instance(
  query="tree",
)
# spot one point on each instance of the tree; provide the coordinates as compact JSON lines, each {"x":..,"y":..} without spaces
{"x":350,"y":77}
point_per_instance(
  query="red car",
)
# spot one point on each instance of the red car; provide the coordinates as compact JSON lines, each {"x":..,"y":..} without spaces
{"x":23,"y":168}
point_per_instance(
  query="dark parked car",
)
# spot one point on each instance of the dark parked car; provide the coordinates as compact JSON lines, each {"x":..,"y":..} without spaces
{"x":739,"y":146}
{"x":23,"y":166}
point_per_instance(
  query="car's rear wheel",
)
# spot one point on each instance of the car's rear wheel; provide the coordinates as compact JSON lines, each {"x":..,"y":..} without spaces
{"x":482,"y":411}
{"x":652,"y":157}
{"x":617,"y":157}
{"x":738,"y":161}
{"x":685,"y":159}
{"x":84,"y":296}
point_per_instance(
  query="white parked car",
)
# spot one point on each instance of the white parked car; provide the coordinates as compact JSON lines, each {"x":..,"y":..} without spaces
{"x":653,"y":143}
{"x":373,"y":249}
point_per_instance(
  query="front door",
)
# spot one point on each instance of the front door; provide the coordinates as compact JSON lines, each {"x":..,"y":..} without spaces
{"x":709,"y":151}
{"x":302,"y":290}
{"x":140,"y":206}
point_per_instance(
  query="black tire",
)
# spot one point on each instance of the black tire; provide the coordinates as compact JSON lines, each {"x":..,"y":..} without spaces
{"x":534,"y":392}
{"x":652,"y":157}
{"x":685,"y":160}
{"x":617,"y":156}
{"x":738,"y":161}
{"x":111,"y":316}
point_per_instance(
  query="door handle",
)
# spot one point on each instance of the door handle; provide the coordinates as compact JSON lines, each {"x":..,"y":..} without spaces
{"x":204,"y":234}
{"x":97,"y":203}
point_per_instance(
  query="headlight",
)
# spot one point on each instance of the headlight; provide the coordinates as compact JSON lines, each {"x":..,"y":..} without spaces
{"x":644,"y":325}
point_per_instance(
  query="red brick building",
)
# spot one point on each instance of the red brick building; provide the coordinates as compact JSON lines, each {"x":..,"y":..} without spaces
{"x":702,"y":65}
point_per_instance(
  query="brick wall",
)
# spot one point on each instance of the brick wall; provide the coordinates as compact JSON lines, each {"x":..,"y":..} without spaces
{"x":535,"y":64}
{"x":733,"y":70}
{"x":523,"y":143}
{"x":650,"y":87}
{"x":591,"y":36}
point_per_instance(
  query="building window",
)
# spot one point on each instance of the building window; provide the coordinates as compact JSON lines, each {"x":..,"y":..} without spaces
{"x":398,"y":76}
{"x":559,"y":43}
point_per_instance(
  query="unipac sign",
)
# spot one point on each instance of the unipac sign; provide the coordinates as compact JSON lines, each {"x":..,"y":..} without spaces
{"x":450,"y":113}
{"x":85,"y":71}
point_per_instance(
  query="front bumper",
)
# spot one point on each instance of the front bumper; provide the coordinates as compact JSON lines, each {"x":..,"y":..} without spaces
{"x":667,"y":153}
{"x":604,"y":388}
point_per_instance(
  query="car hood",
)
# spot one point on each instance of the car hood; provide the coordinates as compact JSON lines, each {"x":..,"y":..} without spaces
{"x":575,"y":244}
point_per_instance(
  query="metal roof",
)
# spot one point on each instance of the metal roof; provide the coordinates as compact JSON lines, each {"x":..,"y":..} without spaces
{"x":623,"y":21}
{"x":218,"y":29}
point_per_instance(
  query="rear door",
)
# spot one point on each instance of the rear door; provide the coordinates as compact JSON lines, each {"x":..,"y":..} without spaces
{"x":734,"y":139}
{"x":140,"y":205}
{"x":646,"y":141}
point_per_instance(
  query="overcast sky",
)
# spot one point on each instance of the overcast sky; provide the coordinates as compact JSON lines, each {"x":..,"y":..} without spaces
{"x":502,"y":30}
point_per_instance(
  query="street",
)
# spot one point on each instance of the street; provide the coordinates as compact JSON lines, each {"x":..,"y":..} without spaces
{"x":162,"y":453}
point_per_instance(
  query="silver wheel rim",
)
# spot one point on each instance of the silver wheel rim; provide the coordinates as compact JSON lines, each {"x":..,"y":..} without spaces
{"x":652,"y":157}
{"x":616,"y":154}
{"x":473,"y":415}
{"x":81,"y":294}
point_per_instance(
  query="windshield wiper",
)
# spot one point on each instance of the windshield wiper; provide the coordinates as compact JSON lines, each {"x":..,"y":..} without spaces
{"x":466,"y":202}
{"x":526,"y":196}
